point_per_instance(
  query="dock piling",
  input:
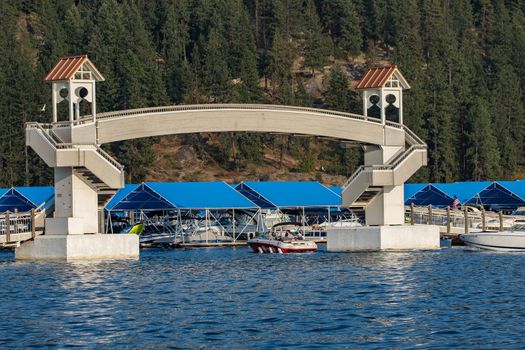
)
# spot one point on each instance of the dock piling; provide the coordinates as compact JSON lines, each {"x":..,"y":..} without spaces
{"x":33,"y":223}
{"x":7,"y":227}
{"x":465,"y":213}
{"x":448,"y":220}
{"x":483,"y":220}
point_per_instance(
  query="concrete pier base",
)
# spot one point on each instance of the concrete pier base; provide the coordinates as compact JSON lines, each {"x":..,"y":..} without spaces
{"x":383,"y":238}
{"x":79,"y":247}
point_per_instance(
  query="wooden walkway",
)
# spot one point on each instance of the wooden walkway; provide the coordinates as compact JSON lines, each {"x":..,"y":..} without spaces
{"x":16,"y":228}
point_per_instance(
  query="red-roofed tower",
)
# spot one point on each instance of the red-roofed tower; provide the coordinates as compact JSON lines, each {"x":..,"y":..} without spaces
{"x":73,"y":79}
{"x":383,"y":93}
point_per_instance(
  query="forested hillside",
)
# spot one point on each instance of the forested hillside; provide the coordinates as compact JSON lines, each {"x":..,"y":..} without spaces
{"x":465,"y":61}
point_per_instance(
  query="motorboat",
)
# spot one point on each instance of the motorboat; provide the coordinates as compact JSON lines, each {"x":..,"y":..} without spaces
{"x":510,"y":241}
{"x":283,"y":238}
{"x":318,"y":232}
{"x":353,"y":222}
{"x":212,"y":235}
{"x":151,"y":235}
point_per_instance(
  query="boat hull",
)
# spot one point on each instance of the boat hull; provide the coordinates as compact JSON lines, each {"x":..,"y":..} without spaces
{"x":273,"y":246}
{"x":500,"y":241}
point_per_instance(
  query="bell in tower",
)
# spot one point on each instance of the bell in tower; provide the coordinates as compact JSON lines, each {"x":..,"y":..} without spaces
{"x":383,"y":93}
{"x":73,"y":80}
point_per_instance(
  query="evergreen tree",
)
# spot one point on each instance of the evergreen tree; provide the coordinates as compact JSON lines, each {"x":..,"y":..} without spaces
{"x":316,"y":47}
{"x":482,"y":152}
{"x":337,"y":95}
{"x":340,"y":20}
{"x":175,"y":33}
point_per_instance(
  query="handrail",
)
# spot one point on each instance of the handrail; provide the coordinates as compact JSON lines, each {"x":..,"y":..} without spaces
{"x":182,"y":108}
{"x":392,"y":165}
{"x":44,"y":128}
{"x":109,"y":158}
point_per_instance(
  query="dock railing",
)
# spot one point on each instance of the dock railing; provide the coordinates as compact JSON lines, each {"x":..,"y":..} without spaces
{"x":456,"y":221}
{"x":16,"y":227}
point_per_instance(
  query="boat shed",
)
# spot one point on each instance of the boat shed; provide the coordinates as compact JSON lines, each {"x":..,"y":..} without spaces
{"x":201,"y":195}
{"x":138,"y":197}
{"x":501,"y":195}
{"x":26,"y":198}
{"x":178,"y":195}
{"x":463,"y":191}
{"x":428,"y":194}
{"x":174,"y":205}
{"x":497,"y":195}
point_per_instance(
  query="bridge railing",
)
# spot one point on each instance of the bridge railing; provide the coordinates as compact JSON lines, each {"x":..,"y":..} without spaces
{"x":182,"y":108}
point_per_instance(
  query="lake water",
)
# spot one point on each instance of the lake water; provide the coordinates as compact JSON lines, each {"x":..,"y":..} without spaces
{"x":230,"y":298}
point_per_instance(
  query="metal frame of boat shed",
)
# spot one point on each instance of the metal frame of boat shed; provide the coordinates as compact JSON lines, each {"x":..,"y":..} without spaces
{"x":297,"y":197}
{"x":163,"y":201}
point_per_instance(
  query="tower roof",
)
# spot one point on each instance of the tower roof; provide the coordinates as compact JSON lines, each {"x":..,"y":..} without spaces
{"x":378,"y":77}
{"x":68,"y":67}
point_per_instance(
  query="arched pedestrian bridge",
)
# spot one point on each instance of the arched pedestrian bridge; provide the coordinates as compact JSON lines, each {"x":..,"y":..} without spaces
{"x":146,"y":122}
{"x":392,"y":152}
{"x":86,"y":177}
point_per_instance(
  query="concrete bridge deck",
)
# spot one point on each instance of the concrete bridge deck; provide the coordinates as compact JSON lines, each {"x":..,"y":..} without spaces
{"x":181,"y":119}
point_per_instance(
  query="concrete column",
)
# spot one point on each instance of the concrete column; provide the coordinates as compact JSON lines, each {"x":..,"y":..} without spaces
{"x":401,"y":107}
{"x":376,"y":155}
{"x":383,"y":106}
{"x":387,"y":208}
{"x":70,"y":100}
{"x":54,"y":102}
{"x":94,"y":102}
{"x":365,"y":103}
{"x":76,"y":205}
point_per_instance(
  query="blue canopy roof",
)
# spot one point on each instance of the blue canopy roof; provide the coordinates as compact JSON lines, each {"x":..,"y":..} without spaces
{"x":430,"y":195}
{"x":496,"y":196}
{"x":338,"y":190}
{"x":294,"y":194}
{"x":516,"y":187}
{"x":463,"y":191}
{"x":254,"y":196}
{"x":411,"y":190}
{"x":38,"y":195}
{"x":201,"y":195}
{"x":26,"y":198}
{"x":119,"y":196}
{"x":140,"y":197}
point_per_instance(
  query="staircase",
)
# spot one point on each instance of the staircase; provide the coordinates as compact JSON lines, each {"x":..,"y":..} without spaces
{"x":368,"y":181}
{"x":90,"y":163}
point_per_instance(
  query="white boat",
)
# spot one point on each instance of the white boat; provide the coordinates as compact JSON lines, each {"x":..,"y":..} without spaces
{"x":269,"y":245}
{"x":354,"y":222}
{"x":151,"y":235}
{"x":508,"y":241}
{"x":283,"y":238}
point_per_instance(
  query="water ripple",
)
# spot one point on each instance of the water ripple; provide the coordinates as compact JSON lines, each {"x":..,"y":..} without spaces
{"x":234,"y":299}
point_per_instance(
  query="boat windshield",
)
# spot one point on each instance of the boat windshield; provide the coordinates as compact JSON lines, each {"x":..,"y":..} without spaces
{"x":518,"y":227}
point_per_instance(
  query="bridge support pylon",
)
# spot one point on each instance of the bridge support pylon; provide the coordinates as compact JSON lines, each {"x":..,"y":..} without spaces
{"x":378,"y":185}
{"x":86,"y":177}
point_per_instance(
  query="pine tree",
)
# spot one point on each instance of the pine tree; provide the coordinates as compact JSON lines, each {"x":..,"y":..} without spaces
{"x":175,"y":32}
{"x":341,"y":22}
{"x":279,"y":69}
{"x":337,"y":95}
{"x":316,"y":46}
{"x":482,"y":152}
{"x":438,"y":44}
